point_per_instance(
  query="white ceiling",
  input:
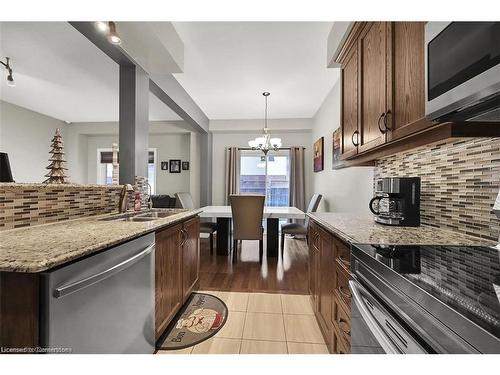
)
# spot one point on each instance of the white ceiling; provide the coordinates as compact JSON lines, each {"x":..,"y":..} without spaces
{"x":59,"y":73}
{"x":227,"y":65}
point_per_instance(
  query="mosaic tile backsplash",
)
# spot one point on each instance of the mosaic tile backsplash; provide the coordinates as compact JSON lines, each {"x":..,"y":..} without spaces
{"x":460,"y":181}
{"x":24,"y":205}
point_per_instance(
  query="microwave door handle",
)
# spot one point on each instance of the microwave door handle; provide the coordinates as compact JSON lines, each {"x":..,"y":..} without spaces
{"x":370,"y":321}
{"x":64,"y":290}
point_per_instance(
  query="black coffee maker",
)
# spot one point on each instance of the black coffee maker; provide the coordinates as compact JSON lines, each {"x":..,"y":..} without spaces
{"x":397,"y":201}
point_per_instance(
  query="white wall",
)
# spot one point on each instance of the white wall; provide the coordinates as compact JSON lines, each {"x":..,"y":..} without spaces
{"x":171,"y":142}
{"x":26,"y":136}
{"x":171,"y":146}
{"x":344,"y":190}
{"x":293,"y":132}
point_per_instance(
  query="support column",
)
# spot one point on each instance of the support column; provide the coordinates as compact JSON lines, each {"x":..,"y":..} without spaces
{"x":134,"y":123}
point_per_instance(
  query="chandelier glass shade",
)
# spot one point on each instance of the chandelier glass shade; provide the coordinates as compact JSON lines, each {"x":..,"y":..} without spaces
{"x":265,"y":142}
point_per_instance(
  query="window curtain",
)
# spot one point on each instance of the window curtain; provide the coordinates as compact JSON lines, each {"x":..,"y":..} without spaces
{"x":297,"y":178}
{"x":232,"y":169}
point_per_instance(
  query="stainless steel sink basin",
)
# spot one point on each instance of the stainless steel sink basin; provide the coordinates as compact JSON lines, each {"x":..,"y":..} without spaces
{"x":126,"y":218}
{"x":159,"y":214}
{"x":142,"y":216}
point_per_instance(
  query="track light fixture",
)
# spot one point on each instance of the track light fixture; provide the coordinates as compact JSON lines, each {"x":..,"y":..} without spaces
{"x":109,"y":28}
{"x":10,"y":79}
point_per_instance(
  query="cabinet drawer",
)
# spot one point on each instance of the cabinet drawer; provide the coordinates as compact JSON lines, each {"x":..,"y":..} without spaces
{"x":343,"y":255}
{"x":342,"y":324}
{"x":342,"y":290}
{"x":338,"y":346}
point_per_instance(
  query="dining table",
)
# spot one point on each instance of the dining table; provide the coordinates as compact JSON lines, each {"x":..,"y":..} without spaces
{"x":272,"y":215}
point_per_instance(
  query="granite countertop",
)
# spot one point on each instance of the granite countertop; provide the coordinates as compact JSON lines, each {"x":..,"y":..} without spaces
{"x":41,"y":247}
{"x":356,"y":228}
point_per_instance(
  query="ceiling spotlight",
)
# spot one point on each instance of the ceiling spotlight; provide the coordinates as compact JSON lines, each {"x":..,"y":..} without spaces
{"x":102,"y":26}
{"x":10,"y":79}
{"x":113,"y":36}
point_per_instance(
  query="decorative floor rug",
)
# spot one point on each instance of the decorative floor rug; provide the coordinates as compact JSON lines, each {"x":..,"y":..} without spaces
{"x":201,"y":317}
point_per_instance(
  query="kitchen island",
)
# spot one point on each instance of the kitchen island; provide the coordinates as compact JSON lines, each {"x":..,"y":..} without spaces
{"x":26,"y":254}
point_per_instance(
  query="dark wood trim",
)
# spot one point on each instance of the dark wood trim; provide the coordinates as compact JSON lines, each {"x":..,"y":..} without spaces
{"x":437,"y":132}
{"x":19,"y":310}
{"x":408,"y":129}
{"x":350,"y":41}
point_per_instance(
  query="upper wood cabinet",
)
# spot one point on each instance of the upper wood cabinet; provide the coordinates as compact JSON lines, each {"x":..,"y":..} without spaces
{"x":382,"y":85}
{"x":407,"y":78}
{"x":373,"y":63}
{"x":349,"y":112}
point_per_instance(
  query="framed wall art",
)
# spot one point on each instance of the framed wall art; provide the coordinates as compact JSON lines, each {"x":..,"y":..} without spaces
{"x":175,"y":166}
{"x":318,"y":155}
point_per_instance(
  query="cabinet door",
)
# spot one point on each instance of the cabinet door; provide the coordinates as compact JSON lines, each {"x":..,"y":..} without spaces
{"x":373,"y":70}
{"x":313,"y":265}
{"x":407,"y":55}
{"x":350,"y":135}
{"x":190,"y":256}
{"x":168,"y":288}
{"x":326,"y":282}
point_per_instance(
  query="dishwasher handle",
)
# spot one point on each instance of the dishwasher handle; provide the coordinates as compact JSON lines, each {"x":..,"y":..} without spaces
{"x":64,"y":290}
{"x":369,"y":319}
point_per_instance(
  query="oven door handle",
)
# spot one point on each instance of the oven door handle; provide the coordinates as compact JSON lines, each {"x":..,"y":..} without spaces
{"x":384,"y":341}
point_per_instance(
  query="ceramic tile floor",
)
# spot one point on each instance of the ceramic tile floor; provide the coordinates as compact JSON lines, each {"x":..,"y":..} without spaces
{"x":262,"y":323}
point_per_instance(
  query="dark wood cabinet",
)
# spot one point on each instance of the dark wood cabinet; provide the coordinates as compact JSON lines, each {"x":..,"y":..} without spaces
{"x":314,"y":264}
{"x":326,"y":284}
{"x":329,"y":261}
{"x":349,"y":113}
{"x":168,"y":282}
{"x":190,"y":256}
{"x":383,"y":94}
{"x":406,"y":80}
{"x":373,"y":62}
{"x":176,"y":269}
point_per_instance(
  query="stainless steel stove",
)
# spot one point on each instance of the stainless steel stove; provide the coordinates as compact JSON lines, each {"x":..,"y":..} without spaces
{"x":425,"y":299}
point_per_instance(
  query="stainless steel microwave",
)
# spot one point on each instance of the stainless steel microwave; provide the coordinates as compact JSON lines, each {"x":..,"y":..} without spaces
{"x":462,"y":72}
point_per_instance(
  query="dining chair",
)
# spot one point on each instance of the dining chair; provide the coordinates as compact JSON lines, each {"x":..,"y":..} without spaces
{"x":247,"y":212}
{"x":296,"y":228}
{"x":185,"y":200}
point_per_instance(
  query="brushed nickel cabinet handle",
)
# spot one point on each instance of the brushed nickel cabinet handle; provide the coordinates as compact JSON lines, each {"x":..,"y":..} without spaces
{"x":344,"y":293}
{"x":385,"y":120}
{"x":344,"y":326}
{"x":356,"y":133}
{"x":382,"y":116}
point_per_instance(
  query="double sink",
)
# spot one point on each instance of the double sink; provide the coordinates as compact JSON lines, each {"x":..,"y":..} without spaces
{"x":142,"y":216}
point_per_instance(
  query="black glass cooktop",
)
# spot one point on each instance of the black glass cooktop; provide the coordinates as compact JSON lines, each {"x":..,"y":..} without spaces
{"x":465,"y":278}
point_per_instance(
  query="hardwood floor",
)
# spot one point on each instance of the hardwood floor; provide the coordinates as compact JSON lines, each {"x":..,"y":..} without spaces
{"x":275,"y":275}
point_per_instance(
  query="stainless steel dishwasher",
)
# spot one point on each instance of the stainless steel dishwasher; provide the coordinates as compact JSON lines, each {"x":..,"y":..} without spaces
{"x":103,"y":303}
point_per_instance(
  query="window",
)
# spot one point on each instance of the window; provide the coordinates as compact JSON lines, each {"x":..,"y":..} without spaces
{"x":105,"y":167}
{"x":269,"y":176}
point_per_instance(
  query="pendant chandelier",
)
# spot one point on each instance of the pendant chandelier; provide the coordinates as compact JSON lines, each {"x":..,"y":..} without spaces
{"x":265,"y":143}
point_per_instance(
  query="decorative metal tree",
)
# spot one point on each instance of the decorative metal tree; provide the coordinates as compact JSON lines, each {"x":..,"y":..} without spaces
{"x":57,"y":174}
